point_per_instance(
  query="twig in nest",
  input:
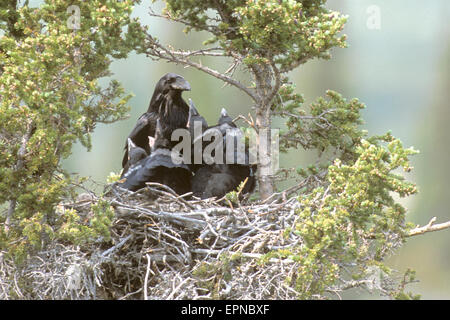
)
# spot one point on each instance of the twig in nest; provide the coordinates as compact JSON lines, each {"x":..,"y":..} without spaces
{"x":170,"y":193}
{"x":147,"y":273}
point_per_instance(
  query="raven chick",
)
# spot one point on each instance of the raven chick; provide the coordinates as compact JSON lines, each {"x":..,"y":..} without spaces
{"x":135,"y":154}
{"x":159,"y":167}
{"x":197,"y":125}
{"x":216,"y":180}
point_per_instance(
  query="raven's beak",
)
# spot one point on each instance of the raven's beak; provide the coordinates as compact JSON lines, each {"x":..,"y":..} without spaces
{"x":151,"y":142}
{"x":224,"y":112}
{"x":158,"y":130}
{"x":192,"y":112}
{"x":130,"y":144}
{"x":192,"y":108}
{"x":189,"y":120}
{"x":180,"y":84}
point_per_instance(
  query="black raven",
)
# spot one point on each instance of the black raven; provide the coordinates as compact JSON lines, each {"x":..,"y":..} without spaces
{"x":159,"y":167}
{"x":216,"y":180}
{"x":225,"y":121}
{"x":135,"y":154}
{"x":168,"y":106}
{"x":197,"y":125}
{"x":195,"y":117}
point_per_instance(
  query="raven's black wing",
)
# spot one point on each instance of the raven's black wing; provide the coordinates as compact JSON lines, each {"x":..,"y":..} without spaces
{"x":211,"y":181}
{"x":219,"y":179}
{"x":145,"y":126}
{"x":158,"y":167}
{"x":216,"y":180}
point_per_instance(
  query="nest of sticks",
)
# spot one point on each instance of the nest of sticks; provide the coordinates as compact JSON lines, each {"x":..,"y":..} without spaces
{"x":164,"y":246}
{"x":172,"y":248}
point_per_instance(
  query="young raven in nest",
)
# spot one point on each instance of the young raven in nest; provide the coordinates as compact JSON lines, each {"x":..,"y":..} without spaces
{"x":135,"y":153}
{"x":195,"y":117}
{"x":216,"y":180}
{"x":196,"y":125}
{"x":168,"y":106}
{"x":159,"y":167}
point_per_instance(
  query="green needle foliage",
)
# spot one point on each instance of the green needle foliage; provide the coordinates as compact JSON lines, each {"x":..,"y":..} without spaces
{"x":50,"y":98}
{"x":355,"y":218}
{"x":285,"y":32}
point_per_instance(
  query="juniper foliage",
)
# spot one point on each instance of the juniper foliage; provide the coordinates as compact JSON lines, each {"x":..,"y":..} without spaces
{"x":51,"y":60}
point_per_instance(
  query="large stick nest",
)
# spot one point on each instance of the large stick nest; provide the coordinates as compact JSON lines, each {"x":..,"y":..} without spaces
{"x":166,"y":247}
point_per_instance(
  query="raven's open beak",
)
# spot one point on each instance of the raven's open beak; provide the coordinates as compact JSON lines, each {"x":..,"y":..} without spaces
{"x":130,"y":145}
{"x":224,"y":112}
{"x":158,"y":130}
{"x":192,"y":111}
{"x":192,"y":108}
{"x":180,"y":84}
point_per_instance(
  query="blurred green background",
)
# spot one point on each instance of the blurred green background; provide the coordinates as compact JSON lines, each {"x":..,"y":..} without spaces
{"x":400,"y":71}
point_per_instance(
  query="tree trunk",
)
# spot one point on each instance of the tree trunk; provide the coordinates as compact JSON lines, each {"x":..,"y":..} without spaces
{"x":19,"y":166}
{"x":264,"y":174}
{"x":263,"y":76}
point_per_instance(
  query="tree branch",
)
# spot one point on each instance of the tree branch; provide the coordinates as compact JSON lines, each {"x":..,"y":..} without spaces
{"x":276,"y":87}
{"x":181,"y":57}
{"x":202,"y":52}
{"x":294,"y":65}
{"x":430,"y":227}
{"x":19,"y":166}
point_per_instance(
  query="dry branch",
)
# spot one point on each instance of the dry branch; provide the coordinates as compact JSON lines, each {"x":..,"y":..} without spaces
{"x":155,"y":49}
{"x":430,"y":227}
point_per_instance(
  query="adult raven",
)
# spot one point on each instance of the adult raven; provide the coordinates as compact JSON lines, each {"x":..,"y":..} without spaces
{"x":168,"y":106}
{"x":216,"y":180}
{"x":159,"y":167}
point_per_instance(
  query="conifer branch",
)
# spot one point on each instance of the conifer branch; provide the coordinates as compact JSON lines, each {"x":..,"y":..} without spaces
{"x":156,"y":49}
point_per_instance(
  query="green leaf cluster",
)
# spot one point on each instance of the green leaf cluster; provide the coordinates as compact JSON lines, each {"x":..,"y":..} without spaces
{"x":331,"y":123}
{"x":71,"y":226}
{"x":288,"y":32}
{"x":354,"y":221}
{"x":51,"y":98}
